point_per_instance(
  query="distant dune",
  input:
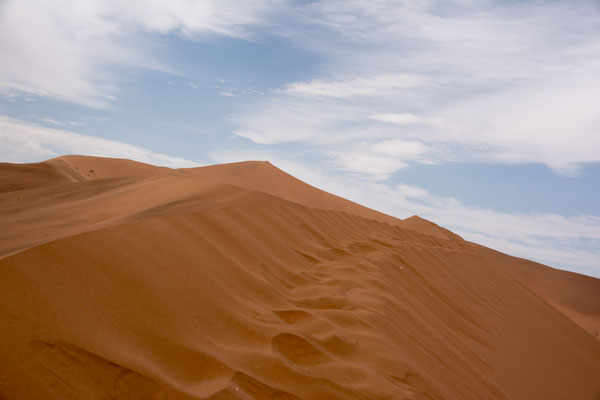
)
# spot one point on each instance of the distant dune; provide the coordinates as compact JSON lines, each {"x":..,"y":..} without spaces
{"x":122,"y":280}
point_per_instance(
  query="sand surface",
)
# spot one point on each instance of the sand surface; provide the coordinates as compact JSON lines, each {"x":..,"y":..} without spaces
{"x":576,"y":296}
{"x":121,"y":280}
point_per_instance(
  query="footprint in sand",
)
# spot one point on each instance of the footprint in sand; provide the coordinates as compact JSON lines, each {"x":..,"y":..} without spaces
{"x":297,"y":350}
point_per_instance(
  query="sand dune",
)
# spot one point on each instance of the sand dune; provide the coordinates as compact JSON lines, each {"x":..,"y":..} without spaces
{"x":576,"y":296}
{"x":113,"y":191}
{"x":39,"y":202}
{"x":25,"y":176}
{"x":265,"y":177}
{"x":240,"y":282}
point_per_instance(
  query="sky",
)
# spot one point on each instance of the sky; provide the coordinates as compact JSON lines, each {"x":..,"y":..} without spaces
{"x":482,"y":116}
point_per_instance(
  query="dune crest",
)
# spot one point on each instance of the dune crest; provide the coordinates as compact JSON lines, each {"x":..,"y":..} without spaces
{"x":421,"y":225}
{"x":140,"y":282}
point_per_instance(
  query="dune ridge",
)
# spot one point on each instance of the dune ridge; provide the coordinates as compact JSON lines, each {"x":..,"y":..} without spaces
{"x":154,"y":283}
{"x":39,"y":202}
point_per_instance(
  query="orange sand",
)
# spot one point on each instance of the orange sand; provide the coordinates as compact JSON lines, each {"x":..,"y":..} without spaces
{"x":121,"y":280}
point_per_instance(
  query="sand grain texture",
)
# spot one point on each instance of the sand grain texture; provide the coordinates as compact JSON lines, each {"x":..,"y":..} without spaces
{"x":139,"y":282}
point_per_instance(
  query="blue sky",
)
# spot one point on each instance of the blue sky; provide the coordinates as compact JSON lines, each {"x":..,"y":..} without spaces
{"x":479,"y":115}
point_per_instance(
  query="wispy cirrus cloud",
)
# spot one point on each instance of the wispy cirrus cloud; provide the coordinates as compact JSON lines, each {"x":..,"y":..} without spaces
{"x":66,"y":50}
{"x":379,"y":159}
{"x":478,"y":81}
{"x":400,"y":119}
{"x":377,"y":85}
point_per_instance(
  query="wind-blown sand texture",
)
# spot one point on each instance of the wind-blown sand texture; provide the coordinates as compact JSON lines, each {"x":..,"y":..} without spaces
{"x":121,"y":280}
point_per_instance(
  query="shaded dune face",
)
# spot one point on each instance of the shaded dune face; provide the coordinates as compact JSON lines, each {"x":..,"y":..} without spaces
{"x":171,"y":287}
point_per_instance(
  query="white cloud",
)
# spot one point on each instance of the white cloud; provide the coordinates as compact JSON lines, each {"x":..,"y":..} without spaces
{"x":50,"y":121}
{"x":398,"y":118}
{"x":556,"y":123}
{"x":480,"y":81}
{"x":24,"y":142}
{"x":376,"y":85}
{"x":64,"y":49}
{"x":379,"y":159}
{"x":400,"y":148}
{"x":280,"y":120}
{"x":253,"y":136}
{"x":367,"y":163}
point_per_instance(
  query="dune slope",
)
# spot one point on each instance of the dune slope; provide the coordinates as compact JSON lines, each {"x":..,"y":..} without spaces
{"x":576,"y":296}
{"x":163,"y":285}
{"x":73,"y":194}
{"x":265,"y":177}
{"x":41,"y":202}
